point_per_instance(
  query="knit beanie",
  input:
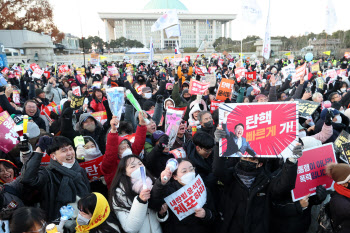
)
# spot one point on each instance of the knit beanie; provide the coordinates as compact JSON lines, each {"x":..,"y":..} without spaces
{"x":38,"y":91}
{"x":340,"y":173}
{"x":184,"y":91}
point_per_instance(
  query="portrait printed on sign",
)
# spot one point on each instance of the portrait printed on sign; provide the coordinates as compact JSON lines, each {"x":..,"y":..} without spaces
{"x":259,"y":129}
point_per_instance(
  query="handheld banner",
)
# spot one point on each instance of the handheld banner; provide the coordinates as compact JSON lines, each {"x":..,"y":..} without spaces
{"x":8,"y":134}
{"x":188,"y":198}
{"x":307,"y":108}
{"x":288,"y":70}
{"x":34,"y":66}
{"x":76,"y":91}
{"x":100,"y":116}
{"x":37,"y":73}
{"x":172,"y":124}
{"x":92,"y":168}
{"x":197,"y":88}
{"x":299,"y":73}
{"x":77,"y":101}
{"x":215,"y":105}
{"x":97,"y":70}
{"x":16,"y":97}
{"x":312,"y":171}
{"x":115,"y":97}
{"x":333,"y":74}
{"x":209,"y":78}
{"x":315,"y":67}
{"x":239,"y":73}
{"x":259,"y":129}
{"x":81,"y":70}
{"x":199,"y":71}
{"x":5,"y":70}
{"x":94,"y":59}
{"x":343,"y":137}
{"x":112,"y":70}
{"x":212,"y":69}
{"x":320,"y":83}
{"x":63,"y":69}
{"x":346,"y":151}
{"x":225,"y":89}
{"x":178,"y":153}
{"x":250,"y":76}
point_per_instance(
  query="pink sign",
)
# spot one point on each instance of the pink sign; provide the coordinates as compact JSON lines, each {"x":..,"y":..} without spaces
{"x":197,"y":87}
{"x":312,"y":171}
{"x":76,"y":91}
{"x":8,"y":134}
{"x":34,"y":66}
{"x":240,"y":73}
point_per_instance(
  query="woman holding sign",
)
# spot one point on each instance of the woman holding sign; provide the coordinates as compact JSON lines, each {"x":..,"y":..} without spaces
{"x":130,"y":198}
{"x":202,"y":219}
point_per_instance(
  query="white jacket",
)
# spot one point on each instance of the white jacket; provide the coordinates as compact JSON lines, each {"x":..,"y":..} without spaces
{"x":140,"y":218}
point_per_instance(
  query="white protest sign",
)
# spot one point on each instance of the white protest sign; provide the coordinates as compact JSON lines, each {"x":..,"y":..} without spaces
{"x":231,"y":65}
{"x":37,"y":73}
{"x":290,"y":69}
{"x":97,"y":70}
{"x":299,"y":73}
{"x":188,"y":198}
{"x":209,"y":78}
{"x":76,"y":91}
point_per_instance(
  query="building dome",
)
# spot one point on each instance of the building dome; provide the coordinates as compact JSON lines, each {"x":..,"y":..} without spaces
{"x":165,"y":5}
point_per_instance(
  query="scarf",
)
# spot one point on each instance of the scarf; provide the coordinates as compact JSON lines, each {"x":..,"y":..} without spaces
{"x":342,"y":190}
{"x":72,"y":183}
{"x":100,"y":215}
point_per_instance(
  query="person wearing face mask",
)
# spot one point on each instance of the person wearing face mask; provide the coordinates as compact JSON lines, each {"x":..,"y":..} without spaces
{"x":202,"y":221}
{"x":95,"y":215}
{"x":206,"y":121}
{"x":169,"y":90}
{"x":248,"y":189}
{"x":340,"y":199}
{"x":133,"y":203}
{"x":60,"y":183}
{"x":182,"y":100}
{"x":89,"y":151}
{"x":122,"y":146}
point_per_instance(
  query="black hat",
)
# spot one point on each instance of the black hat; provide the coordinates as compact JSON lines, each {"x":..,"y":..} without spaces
{"x":38,"y":91}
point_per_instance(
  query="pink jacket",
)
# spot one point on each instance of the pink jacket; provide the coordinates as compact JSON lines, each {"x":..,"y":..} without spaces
{"x":325,"y":134}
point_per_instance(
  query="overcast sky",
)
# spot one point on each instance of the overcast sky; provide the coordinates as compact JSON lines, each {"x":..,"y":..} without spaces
{"x":288,"y":17}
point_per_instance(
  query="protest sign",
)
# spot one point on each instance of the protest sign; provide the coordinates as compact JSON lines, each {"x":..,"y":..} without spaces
{"x":63,"y":69}
{"x":92,"y":168}
{"x":342,"y":72}
{"x":212,"y":69}
{"x":183,"y":109}
{"x":346,"y":150}
{"x":77,"y":101}
{"x":225,"y":89}
{"x":312,"y":171}
{"x":238,"y":64}
{"x":47,"y":74}
{"x":269,"y":129}
{"x":100,"y":116}
{"x":315,"y":67}
{"x":220,"y":62}
{"x":307,"y":108}
{"x":209,"y":78}
{"x":320,"y":83}
{"x":34,"y":66}
{"x":199,"y":71}
{"x":112,"y":70}
{"x":288,"y":70}
{"x":15,"y":96}
{"x":204,"y":69}
{"x":46,"y":110}
{"x":341,"y":139}
{"x":97,"y":70}
{"x":239,"y":73}
{"x":188,"y":198}
{"x":347,"y":55}
{"x":81,"y":70}
{"x":94,"y":59}
{"x":37,"y":73}
{"x":173,"y":119}
{"x":178,"y":153}
{"x":250,"y":76}
{"x":332,"y":74}
{"x":214,"y":104}
{"x":115,"y":97}
{"x":5,"y":70}
{"x":197,"y":87}
{"x":231,"y":65}
{"x":8,"y":134}
{"x":299,"y":73}
{"x":76,"y":91}
{"x":139,"y":89}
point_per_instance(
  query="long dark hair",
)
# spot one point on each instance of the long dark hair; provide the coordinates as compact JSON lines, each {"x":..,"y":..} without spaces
{"x":23,"y":219}
{"x":121,"y":180}
{"x":87,"y":204}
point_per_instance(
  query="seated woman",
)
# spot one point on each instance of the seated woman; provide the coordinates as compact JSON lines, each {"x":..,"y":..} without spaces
{"x":131,"y":200}
{"x":203,"y":218}
{"x":95,"y":215}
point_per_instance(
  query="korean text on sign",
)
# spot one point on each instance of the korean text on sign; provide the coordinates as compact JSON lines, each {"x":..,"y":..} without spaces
{"x":190,"y":197}
{"x":225,"y":89}
{"x":197,"y":87}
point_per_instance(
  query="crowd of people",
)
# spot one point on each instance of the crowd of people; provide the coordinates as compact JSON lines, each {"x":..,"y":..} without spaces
{"x":246,"y":194}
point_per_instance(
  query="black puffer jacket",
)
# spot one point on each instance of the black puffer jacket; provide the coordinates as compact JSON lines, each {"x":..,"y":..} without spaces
{"x":247,"y":210}
{"x":340,"y":209}
{"x":155,"y":161}
{"x":190,"y":224}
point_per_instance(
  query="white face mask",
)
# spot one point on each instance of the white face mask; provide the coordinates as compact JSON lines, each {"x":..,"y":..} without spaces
{"x":128,"y":151}
{"x":188,"y":177}
{"x":148,"y":95}
{"x":67,"y":165}
{"x":338,"y":117}
{"x":302,"y":134}
{"x":137,"y":174}
{"x":343,"y":89}
{"x":82,"y":221}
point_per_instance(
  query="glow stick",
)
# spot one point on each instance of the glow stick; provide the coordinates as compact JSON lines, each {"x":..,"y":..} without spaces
{"x":143,"y":176}
{"x":25,"y":123}
{"x":135,"y":103}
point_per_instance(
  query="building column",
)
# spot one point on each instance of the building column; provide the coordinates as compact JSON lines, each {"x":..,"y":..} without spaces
{"x":143,"y":32}
{"x":162,"y":39}
{"x":180,"y":44}
{"x":214,"y":30}
{"x":124,"y":28}
{"x":107,"y":30}
{"x":230,"y":29}
{"x":197,"y":33}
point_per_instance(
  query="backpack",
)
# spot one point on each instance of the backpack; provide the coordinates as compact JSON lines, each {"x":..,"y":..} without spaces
{"x":324,"y":219}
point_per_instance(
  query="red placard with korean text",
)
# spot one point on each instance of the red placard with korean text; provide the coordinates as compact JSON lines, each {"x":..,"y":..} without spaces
{"x":197,"y":87}
{"x":240,"y":73}
{"x":100,"y":116}
{"x":214,"y":104}
{"x":262,"y":129}
{"x":250,"y":76}
{"x":299,"y":73}
{"x":225,"y":89}
{"x":34,"y":66}
{"x":199,"y":71}
{"x":92,"y":168}
{"x":184,"y":201}
{"x":312,"y":171}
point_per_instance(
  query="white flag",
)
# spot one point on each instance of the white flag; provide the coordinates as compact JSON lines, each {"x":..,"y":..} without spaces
{"x":168,"y":19}
{"x":251,"y":11}
{"x":267,"y":41}
{"x":151,"y":53}
{"x":173,"y":31}
{"x":331,"y":17}
{"x":177,"y":50}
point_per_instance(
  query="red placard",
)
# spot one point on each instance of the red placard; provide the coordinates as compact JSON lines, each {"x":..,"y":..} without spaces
{"x":299,"y":73}
{"x":47,"y":74}
{"x":312,"y":171}
{"x":8,"y":134}
{"x":46,"y":110}
{"x":100,"y":116}
{"x":34,"y":66}
{"x":63,"y":69}
{"x":197,"y":87}
{"x":76,"y":91}
{"x":250,"y":76}
{"x":269,"y":129}
{"x":214,"y":104}
{"x":240,"y":73}
{"x":187,"y":59}
{"x":178,"y":153}
{"x":5,"y":70}
{"x":92,"y":168}
{"x":199,"y":71}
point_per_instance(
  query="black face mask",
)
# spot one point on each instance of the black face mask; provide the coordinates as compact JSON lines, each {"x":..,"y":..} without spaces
{"x":187,"y":98}
{"x":209,"y":125}
{"x":247,"y":166}
{"x":170,"y":92}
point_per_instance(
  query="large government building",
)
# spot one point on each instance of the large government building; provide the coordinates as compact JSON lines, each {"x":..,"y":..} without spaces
{"x":195,"y":27}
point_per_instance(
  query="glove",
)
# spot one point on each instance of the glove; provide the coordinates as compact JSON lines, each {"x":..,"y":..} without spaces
{"x":219,"y":133}
{"x":321,"y":193}
{"x":24,"y":144}
{"x":329,"y":117}
{"x":163,"y":141}
{"x":176,"y":78}
{"x":160,"y":99}
{"x":44,"y":142}
{"x":298,"y":151}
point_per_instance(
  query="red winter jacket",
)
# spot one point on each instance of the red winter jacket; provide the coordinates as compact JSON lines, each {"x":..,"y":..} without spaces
{"x":97,"y":105}
{"x":111,"y":159}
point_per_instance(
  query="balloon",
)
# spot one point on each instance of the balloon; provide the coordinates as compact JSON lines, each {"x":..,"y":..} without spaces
{"x":309,"y":57}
